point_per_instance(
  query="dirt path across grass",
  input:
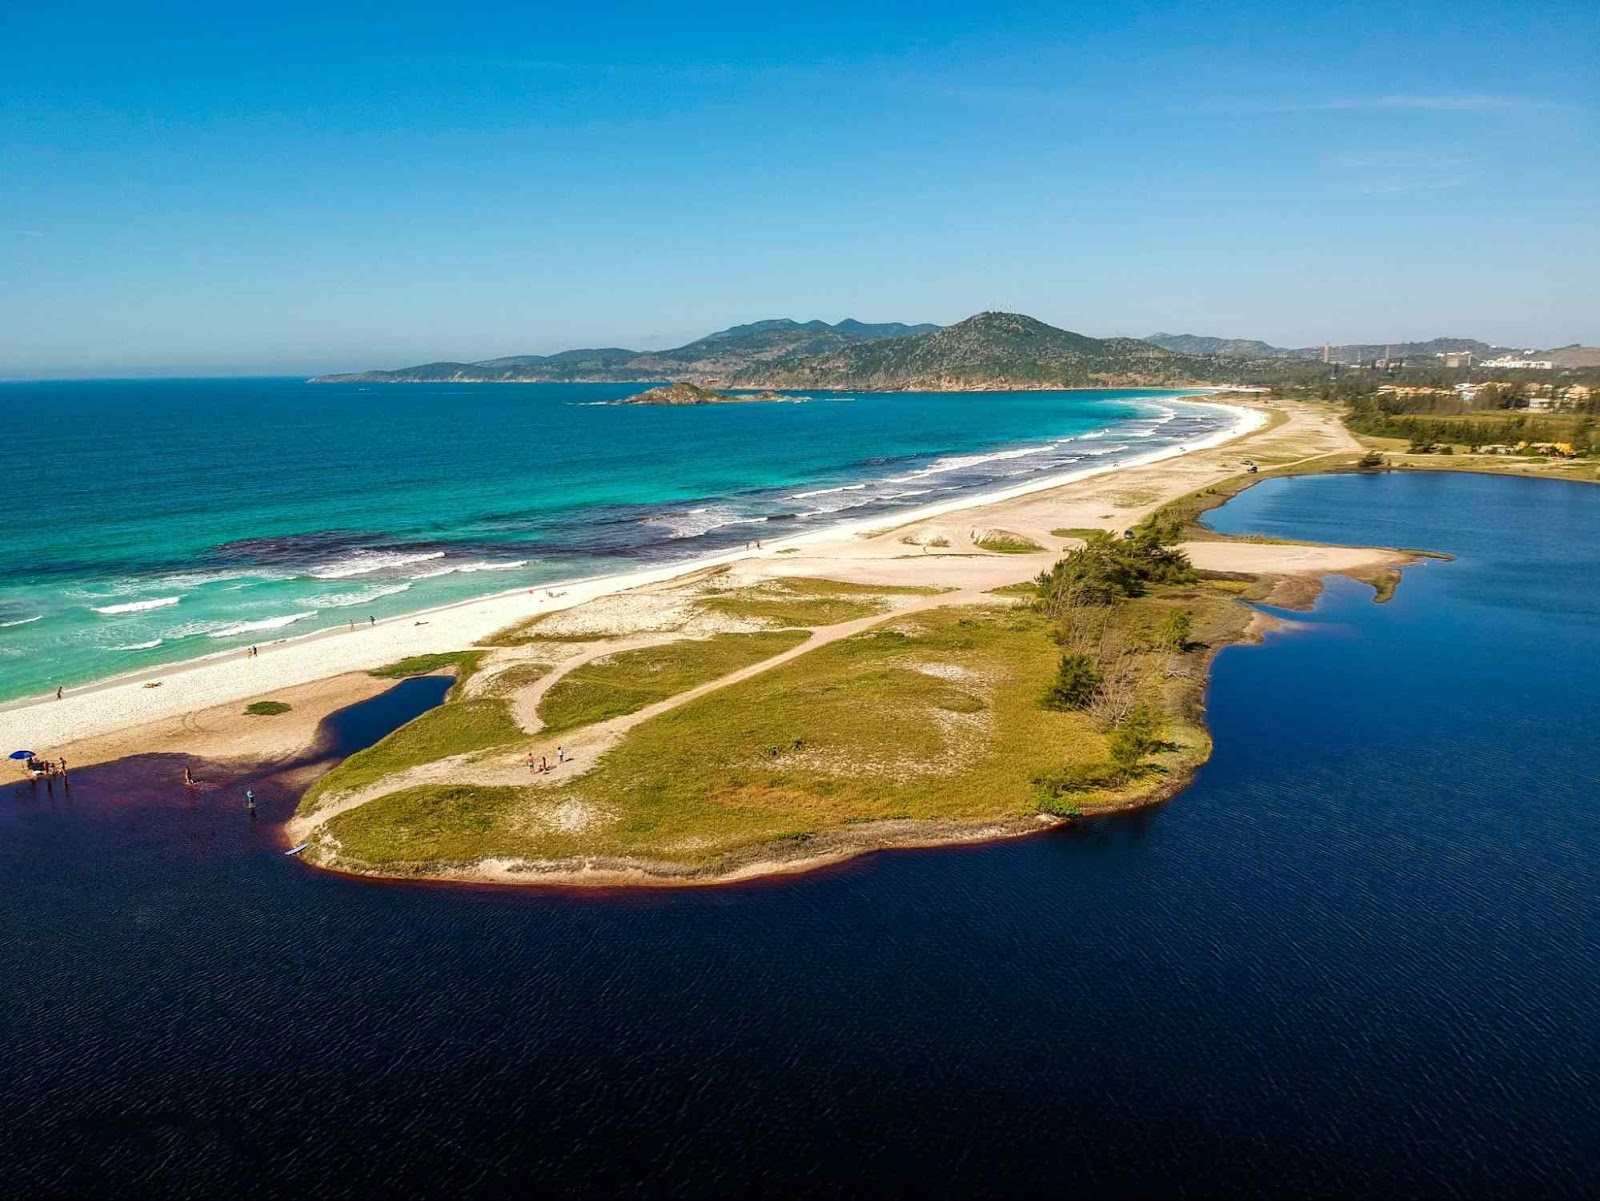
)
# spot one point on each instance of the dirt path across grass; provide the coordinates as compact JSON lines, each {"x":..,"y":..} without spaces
{"x":584,"y":745}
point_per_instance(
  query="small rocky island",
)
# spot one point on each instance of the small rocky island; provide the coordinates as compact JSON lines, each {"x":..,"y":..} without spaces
{"x":682,"y":393}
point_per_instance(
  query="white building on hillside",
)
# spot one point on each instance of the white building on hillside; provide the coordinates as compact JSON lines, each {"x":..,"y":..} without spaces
{"x":1516,"y":364}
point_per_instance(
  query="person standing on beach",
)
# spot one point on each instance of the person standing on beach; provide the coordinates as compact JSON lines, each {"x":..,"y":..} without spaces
{"x":58,"y":694}
{"x":561,"y":754}
{"x":371,"y":621}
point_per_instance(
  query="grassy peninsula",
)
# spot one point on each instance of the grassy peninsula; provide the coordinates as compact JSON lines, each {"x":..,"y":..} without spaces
{"x":850,"y":715}
{"x":1045,"y":664}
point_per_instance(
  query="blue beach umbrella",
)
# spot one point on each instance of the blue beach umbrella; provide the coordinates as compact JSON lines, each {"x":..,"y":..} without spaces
{"x":22,"y":755}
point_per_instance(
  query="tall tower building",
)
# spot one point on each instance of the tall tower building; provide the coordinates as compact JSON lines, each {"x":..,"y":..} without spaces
{"x":1327,"y":353}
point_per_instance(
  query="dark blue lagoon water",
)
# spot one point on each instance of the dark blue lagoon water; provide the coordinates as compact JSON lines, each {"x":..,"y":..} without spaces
{"x":1357,"y":957}
{"x":158,"y":520}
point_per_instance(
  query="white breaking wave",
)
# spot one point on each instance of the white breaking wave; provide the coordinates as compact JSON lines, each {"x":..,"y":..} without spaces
{"x":138,"y":646}
{"x":696,"y":522}
{"x":827,"y":491}
{"x":844,"y":502}
{"x":468,"y":568}
{"x":962,"y":462}
{"x":190,"y":629}
{"x":185,"y":580}
{"x":827,"y":512}
{"x":365,"y":562}
{"x":138,"y":606}
{"x":343,"y":600}
{"x":1106,"y":450}
{"x":270,"y":623}
{"x":21,"y":621}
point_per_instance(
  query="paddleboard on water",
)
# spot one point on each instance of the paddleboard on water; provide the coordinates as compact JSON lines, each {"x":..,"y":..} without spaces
{"x":298,"y":849}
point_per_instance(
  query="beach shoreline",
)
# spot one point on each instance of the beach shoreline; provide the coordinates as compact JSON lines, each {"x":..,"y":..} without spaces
{"x":863,"y":551}
{"x":155,"y":693}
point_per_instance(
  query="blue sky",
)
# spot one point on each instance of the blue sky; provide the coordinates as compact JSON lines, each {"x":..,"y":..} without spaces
{"x":214,"y":187}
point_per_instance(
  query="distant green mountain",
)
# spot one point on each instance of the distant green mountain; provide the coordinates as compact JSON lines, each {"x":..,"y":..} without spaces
{"x":990,"y":350}
{"x":1197,"y":344}
{"x":716,"y":358}
{"x":1354,"y":352}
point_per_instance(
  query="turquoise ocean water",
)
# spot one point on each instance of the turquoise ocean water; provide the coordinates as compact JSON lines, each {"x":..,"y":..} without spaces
{"x":157,"y":520}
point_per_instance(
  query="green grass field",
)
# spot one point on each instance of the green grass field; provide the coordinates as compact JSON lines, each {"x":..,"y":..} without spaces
{"x":1075,"y":531}
{"x":454,"y":728}
{"x":632,"y":680}
{"x":1004,"y":542}
{"x":516,"y":677}
{"x":464,"y":663}
{"x":934,"y":715}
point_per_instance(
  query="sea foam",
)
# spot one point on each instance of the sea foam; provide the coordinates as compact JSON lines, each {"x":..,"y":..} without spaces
{"x":269,"y":623}
{"x":160,"y":602}
{"x":344,"y":600}
{"x":365,"y":562}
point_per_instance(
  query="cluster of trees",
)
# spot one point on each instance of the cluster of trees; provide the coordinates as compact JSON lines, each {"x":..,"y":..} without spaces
{"x":1383,"y":419}
{"x":1105,"y":569}
{"x":1352,"y":387}
{"x":1109,"y":664}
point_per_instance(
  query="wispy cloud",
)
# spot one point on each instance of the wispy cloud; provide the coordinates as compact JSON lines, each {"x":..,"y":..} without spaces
{"x":1396,"y":187}
{"x":1466,"y":102}
{"x":1388,"y":173}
